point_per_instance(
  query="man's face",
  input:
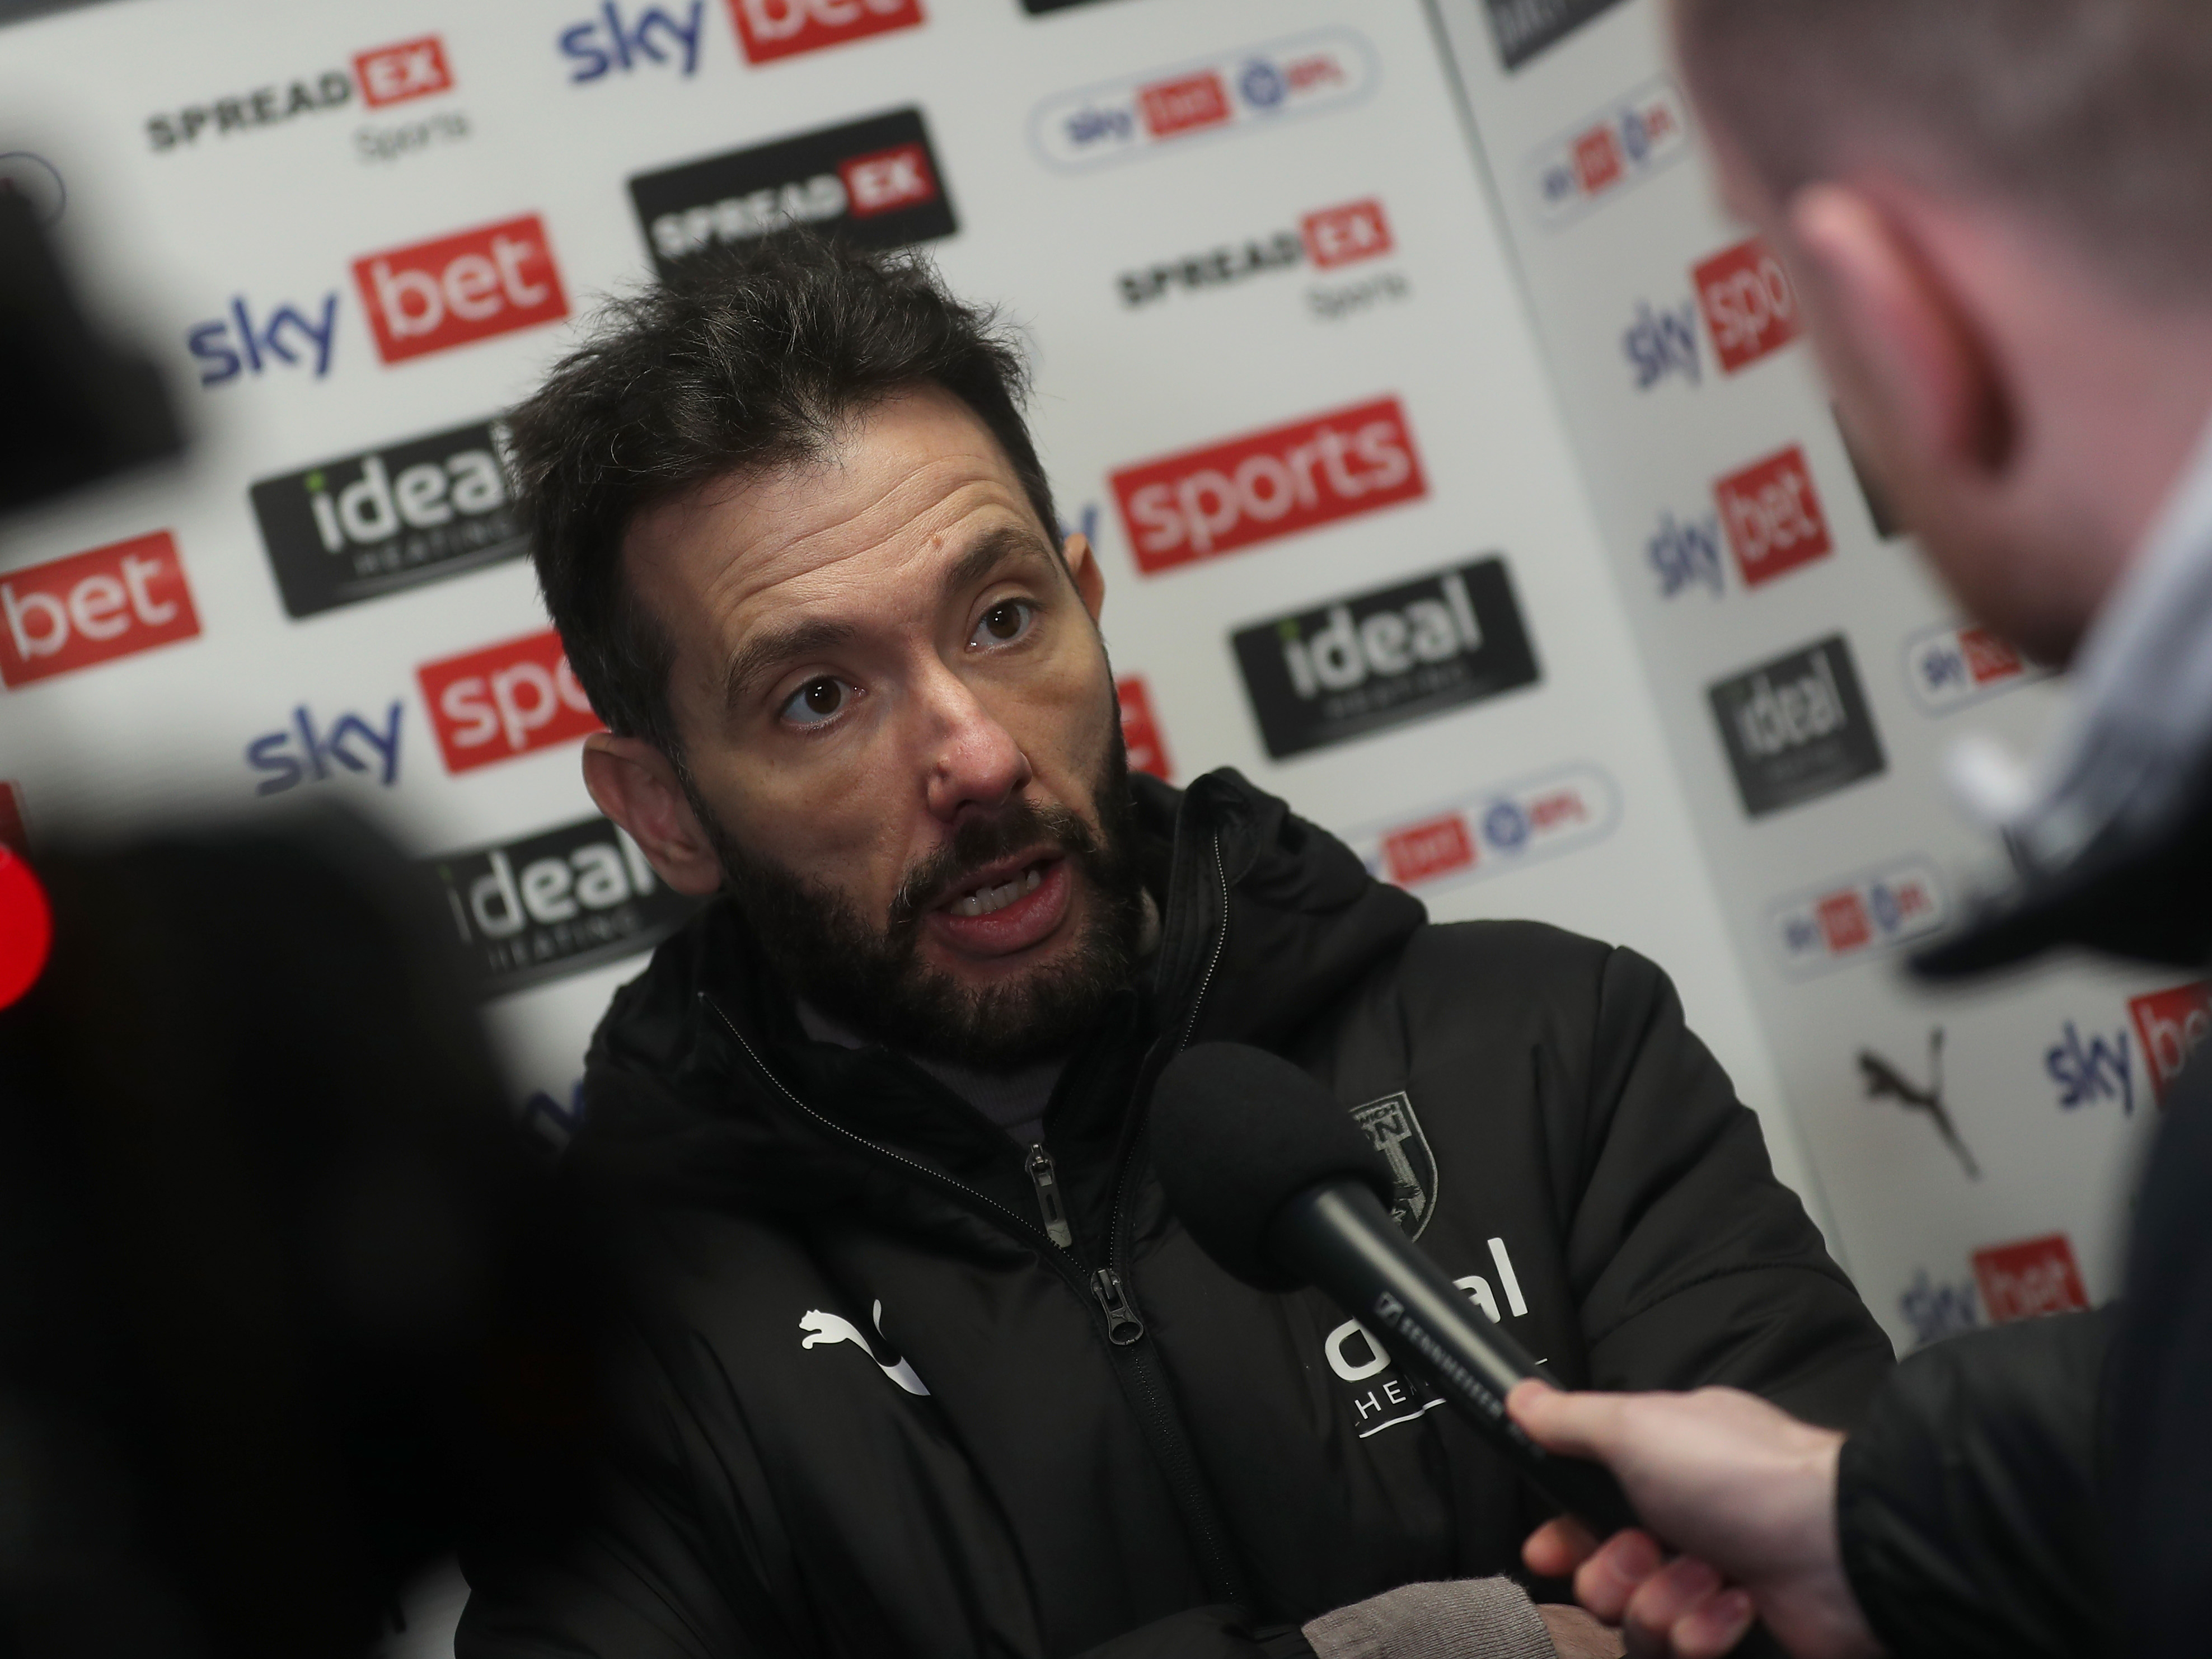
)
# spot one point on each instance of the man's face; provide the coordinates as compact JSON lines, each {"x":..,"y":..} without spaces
{"x":901,"y":735}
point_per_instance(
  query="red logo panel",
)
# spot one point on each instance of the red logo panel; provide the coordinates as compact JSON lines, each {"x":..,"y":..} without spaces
{"x":505,"y":700}
{"x":436,"y":295}
{"x":1250,"y":489}
{"x":1141,"y":731}
{"x":1843,"y":924}
{"x":1173,"y":107}
{"x":1421,"y":852}
{"x":1748,"y":302}
{"x":1339,"y":235}
{"x":2170,"y":1024}
{"x":2033,"y":1277}
{"x":769,"y":29}
{"x":94,"y":607}
{"x":887,"y":180}
{"x":1772,"y":514}
{"x":14,"y":831}
{"x":1988,"y":658}
{"x":412,"y":69}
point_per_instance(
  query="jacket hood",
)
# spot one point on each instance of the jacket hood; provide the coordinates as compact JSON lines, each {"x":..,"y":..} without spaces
{"x":700,"y":1081}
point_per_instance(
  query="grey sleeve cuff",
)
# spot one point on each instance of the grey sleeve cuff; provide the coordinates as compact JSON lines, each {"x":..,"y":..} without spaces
{"x":1461,"y":1618}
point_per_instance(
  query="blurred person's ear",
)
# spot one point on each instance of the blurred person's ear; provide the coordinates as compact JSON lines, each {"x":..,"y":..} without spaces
{"x":637,"y":786}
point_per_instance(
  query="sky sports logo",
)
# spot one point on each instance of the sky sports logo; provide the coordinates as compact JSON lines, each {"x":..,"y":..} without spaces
{"x":555,"y":903}
{"x":392,"y":518}
{"x":1797,"y":728}
{"x":1609,"y":151}
{"x":769,"y":29}
{"x":1523,"y":29}
{"x":1306,"y":75}
{"x":457,"y":289}
{"x":875,"y":182}
{"x":1492,"y":830}
{"x":505,"y":700}
{"x":1384,"y":658}
{"x":1325,"y":240}
{"x":1853,"y":917}
{"x":1233,"y":496}
{"x":387,"y":74}
{"x":91,"y":608}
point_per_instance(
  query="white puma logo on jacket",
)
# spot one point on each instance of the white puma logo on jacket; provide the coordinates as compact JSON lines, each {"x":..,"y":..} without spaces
{"x":827,"y":1327}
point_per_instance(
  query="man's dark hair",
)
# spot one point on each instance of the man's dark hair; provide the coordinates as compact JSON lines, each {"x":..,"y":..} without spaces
{"x":744,"y":361}
{"x":2097,"y":113}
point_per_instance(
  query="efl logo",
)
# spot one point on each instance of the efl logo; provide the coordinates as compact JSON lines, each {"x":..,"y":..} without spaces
{"x":1381,"y":658}
{"x":461,"y":289}
{"x":555,"y":903}
{"x":1324,"y":70}
{"x":1218,"y":500}
{"x":1749,"y":304}
{"x":1494,"y":830}
{"x":1948,"y":668}
{"x":875,"y":182}
{"x":506,"y":700}
{"x":1859,"y":915}
{"x":1773,"y":517}
{"x":392,"y":74}
{"x":1797,"y":728}
{"x":93,"y":607}
{"x":1614,"y":149}
{"x":1524,"y":27}
{"x":770,"y":29}
{"x":2170,"y":1024}
{"x":1141,"y":731}
{"x":2026,"y":1280}
{"x":368,"y":525}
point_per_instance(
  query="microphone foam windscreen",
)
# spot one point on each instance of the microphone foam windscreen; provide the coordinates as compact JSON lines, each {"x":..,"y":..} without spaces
{"x":1237,"y":1133}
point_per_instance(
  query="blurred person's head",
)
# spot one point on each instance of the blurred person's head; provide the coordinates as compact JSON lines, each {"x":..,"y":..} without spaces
{"x":799,"y":547}
{"x":1999,"y":215}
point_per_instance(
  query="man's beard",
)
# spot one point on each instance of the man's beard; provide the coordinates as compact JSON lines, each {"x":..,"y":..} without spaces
{"x":873,"y":978}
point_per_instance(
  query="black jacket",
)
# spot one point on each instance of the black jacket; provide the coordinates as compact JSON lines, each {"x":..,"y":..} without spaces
{"x":867,"y":1408}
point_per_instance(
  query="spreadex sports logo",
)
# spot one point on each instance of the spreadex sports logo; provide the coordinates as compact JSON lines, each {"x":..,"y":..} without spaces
{"x":457,"y":289}
{"x":94,"y":607}
{"x":2028,"y":1278}
{"x":1494,"y":830}
{"x":1797,"y":728}
{"x":555,"y":903}
{"x":505,"y":700}
{"x":1326,"y":238}
{"x":1231,"y":495}
{"x":410,"y":512}
{"x":1857,"y":916}
{"x":387,"y":74}
{"x":2171,"y":1024}
{"x":1950,"y":668}
{"x":1234,"y":91}
{"x":1524,"y":27}
{"x":1618,"y":146}
{"x":769,"y":29}
{"x":1140,"y":730}
{"x":1381,"y":658}
{"x":876,"y":183}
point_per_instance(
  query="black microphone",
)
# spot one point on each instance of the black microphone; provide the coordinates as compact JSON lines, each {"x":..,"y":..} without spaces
{"x":1279,"y":1186}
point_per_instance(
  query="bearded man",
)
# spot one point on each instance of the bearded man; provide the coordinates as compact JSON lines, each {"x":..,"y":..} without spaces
{"x":917,"y":1362}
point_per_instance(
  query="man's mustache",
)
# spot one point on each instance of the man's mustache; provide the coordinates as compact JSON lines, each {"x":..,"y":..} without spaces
{"x":981,"y":842}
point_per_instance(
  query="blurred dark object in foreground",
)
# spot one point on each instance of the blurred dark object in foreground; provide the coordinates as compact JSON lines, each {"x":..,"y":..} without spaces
{"x":287,"y":1303}
{"x":73,"y":408}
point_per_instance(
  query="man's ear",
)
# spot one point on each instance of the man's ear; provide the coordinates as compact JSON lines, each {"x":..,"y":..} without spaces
{"x":633,"y":783}
{"x":1083,"y":568}
{"x":1899,"y":341}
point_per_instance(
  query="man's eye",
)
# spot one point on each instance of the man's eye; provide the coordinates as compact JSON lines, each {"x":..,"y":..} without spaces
{"x":1005,"y":623}
{"x":817,"y":700}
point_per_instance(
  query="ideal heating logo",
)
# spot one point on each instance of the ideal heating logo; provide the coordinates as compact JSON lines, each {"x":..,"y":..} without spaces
{"x":392,"y":518}
{"x":387,"y":75}
{"x":1523,"y":29}
{"x":874,"y":183}
{"x":1797,"y":728}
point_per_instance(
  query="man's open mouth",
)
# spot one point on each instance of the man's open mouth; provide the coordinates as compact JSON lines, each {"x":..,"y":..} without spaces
{"x":982,"y":901}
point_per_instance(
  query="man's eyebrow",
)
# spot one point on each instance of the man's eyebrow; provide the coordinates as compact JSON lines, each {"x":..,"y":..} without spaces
{"x":998,"y":547}
{"x":768,"y":650}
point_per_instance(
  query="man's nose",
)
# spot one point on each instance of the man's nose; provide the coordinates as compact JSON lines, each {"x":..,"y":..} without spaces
{"x":972,"y":759}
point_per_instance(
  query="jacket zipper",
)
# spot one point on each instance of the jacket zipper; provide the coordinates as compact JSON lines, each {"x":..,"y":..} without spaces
{"x":1046,"y":1179}
{"x":1122,"y":1325}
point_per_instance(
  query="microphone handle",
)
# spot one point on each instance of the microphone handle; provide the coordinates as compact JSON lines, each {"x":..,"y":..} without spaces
{"x":1338,"y":1237}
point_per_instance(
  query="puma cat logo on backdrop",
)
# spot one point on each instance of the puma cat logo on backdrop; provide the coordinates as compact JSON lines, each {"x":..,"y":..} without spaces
{"x":827,"y":1327}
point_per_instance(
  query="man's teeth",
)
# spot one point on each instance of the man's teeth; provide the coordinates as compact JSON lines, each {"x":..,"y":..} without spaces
{"x":984,"y":900}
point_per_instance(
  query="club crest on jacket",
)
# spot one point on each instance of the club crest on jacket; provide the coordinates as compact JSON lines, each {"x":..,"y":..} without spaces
{"x":1396,"y":1132}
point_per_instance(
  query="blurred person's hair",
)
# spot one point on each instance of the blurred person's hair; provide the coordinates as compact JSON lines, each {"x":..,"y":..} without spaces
{"x":2095,"y":114}
{"x":745,"y":361}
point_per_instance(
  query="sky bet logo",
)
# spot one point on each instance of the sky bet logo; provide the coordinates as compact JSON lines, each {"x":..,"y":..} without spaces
{"x":349,"y":530}
{"x":769,"y":29}
{"x":1773,"y":516}
{"x":874,"y":183}
{"x":91,"y":608}
{"x":1228,"y":496}
{"x":286,"y":335}
{"x":2171,"y":1024}
{"x":555,"y":903}
{"x":461,"y":289}
{"x":650,"y":35}
{"x":1384,"y":658}
{"x":1332,"y":237}
{"x":389,"y":74}
{"x":2026,"y":1280}
{"x":505,"y":700}
{"x":1797,"y":728}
